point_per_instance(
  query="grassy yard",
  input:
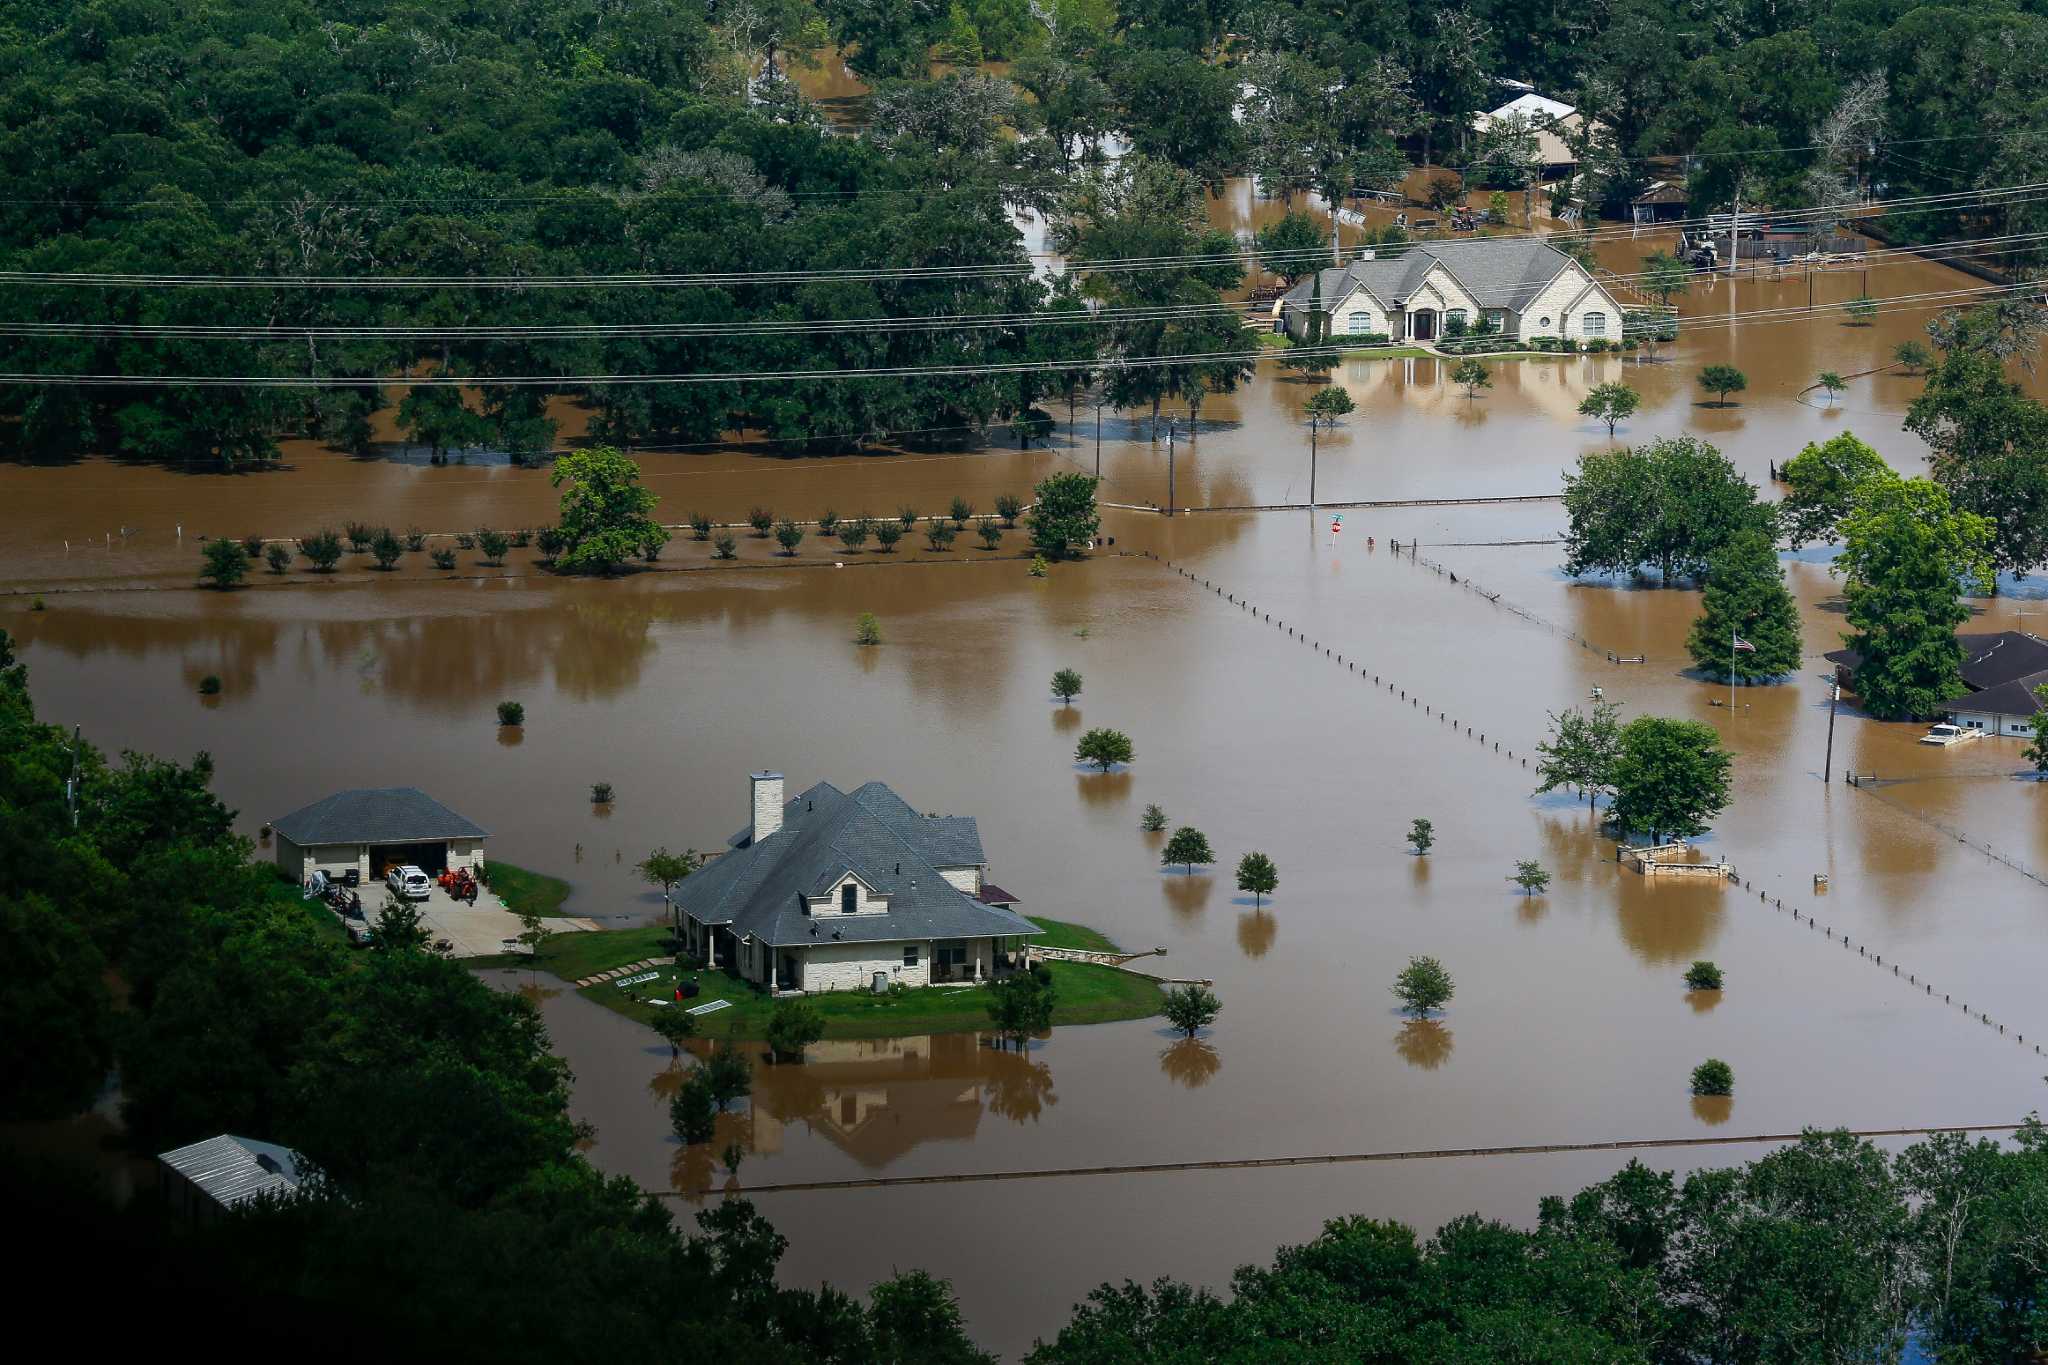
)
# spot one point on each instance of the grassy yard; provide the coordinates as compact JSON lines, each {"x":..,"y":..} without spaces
{"x":528,"y":893}
{"x":1060,"y":934}
{"x":1087,"y":995}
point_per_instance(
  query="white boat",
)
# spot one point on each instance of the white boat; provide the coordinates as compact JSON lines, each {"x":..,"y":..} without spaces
{"x":1946,"y":734}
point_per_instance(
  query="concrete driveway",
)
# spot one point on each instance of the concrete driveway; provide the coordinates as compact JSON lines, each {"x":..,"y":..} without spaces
{"x":485,"y":929}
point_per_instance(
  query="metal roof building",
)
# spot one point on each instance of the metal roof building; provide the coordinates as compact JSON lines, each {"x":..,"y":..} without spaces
{"x":206,"y":1179}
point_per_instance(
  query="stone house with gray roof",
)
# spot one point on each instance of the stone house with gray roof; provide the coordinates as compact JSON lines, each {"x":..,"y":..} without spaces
{"x":833,"y":890}
{"x":1528,"y":287}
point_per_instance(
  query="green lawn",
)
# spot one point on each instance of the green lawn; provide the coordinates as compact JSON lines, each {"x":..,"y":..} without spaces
{"x":1060,"y":934}
{"x":1087,"y":994}
{"x":528,"y":893}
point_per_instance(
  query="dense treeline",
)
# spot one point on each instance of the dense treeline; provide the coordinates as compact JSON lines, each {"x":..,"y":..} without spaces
{"x":566,"y":138}
{"x":450,"y":1207}
{"x":1828,"y":1250}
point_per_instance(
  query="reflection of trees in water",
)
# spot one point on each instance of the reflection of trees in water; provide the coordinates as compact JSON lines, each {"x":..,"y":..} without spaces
{"x":1256,"y":932}
{"x":1424,"y":1043}
{"x":1066,"y":718}
{"x":222,"y":640}
{"x":1103,"y":789}
{"x":1702,"y":1001}
{"x":1187,"y":896}
{"x":694,"y":1167}
{"x":1573,"y":845}
{"x":1667,"y":924}
{"x":1713,"y":1110}
{"x":1190,"y":1062}
{"x":1019,"y":1086}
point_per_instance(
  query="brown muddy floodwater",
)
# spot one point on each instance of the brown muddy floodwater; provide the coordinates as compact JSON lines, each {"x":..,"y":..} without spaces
{"x":1571,"y":1022}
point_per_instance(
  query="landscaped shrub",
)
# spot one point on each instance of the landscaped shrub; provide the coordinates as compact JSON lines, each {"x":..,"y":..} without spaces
{"x":209,"y":686}
{"x":725,"y":547}
{"x":1008,"y":505}
{"x":511,"y":713}
{"x":359,"y":535}
{"x":700,"y":526}
{"x":761,"y":519}
{"x":415,"y":538}
{"x":443,"y":559}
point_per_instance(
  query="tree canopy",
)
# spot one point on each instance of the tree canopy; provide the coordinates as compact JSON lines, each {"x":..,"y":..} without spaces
{"x":1907,"y":557}
{"x":1666,"y":505}
{"x":1671,"y":778}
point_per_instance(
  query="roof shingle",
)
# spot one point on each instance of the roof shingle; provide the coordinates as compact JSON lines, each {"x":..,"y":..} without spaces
{"x":375,"y":815}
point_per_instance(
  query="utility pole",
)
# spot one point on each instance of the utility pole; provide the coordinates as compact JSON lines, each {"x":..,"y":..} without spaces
{"x":1312,"y":423}
{"x":1827,"y":771}
{"x":1169,"y":466}
{"x":1735,"y":230}
{"x":1098,"y":438}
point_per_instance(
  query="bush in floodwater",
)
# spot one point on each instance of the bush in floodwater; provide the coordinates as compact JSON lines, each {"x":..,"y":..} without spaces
{"x":1423,"y":985}
{"x":323,"y":549}
{"x":789,"y":535}
{"x":443,"y":559}
{"x":961,"y":511}
{"x":1421,"y":834}
{"x":867,"y":629}
{"x":650,"y":549}
{"x":494,"y":545}
{"x":1066,"y":684}
{"x":209,"y":686}
{"x":386,"y":548}
{"x":415,"y":539}
{"x":990,"y":531}
{"x":828,"y":521}
{"x":1039,"y":568}
{"x":252,"y":546}
{"x":224,"y":563}
{"x":725,"y":547}
{"x":465,"y":541}
{"x":907,"y":515}
{"x":359,"y":535}
{"x":1713,"y":1077}
{"x":278,"y":557}
{"x":700,"y":526}
{"x":1191,"y":1008}
{"x":36,"y":603}
{"x":1008,"y":506}
{"x":854,"y":534}
{"x":939,"y":535}
{"x":522,"y":537}
{"x":1703,"y":976}
{"x":794,"y":1026}
{"x":887,"y":533}
{"x":761,"y":519}
{"x":600,"y":793}
{"x":1153,"y":820}
{"x":550,"y":541}
{"x":511,"y":713}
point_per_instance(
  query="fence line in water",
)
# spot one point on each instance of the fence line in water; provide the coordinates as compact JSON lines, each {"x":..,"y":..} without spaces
{"x":878,"y":1182}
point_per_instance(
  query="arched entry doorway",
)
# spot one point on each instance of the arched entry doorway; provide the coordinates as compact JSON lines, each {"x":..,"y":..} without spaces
{"x":1422,"y":324}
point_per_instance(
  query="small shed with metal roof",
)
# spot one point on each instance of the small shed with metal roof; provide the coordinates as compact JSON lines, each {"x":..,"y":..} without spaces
{"x":373,"y":829}
{"x":207,"y":1179}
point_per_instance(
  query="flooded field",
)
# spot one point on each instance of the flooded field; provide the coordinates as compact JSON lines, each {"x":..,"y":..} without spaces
{"x":1570,"y":1024}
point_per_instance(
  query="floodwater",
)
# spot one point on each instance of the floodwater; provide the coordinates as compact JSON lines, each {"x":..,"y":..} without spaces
{"x":1571,"y":1022}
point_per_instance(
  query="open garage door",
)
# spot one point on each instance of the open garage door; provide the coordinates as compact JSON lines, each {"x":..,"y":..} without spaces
{"x":430,"y":858}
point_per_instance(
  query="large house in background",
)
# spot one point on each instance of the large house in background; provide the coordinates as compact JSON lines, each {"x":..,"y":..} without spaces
{"x":1553,"y":123}
{"x":834,"y":891}
{"x":1526,"y":286}
{"x":2001,"y":668}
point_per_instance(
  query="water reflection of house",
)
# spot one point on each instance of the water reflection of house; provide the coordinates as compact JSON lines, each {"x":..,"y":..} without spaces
{"x":850,"y":891}
{"x":2001,"y":669}
{"x":877,"y":1099}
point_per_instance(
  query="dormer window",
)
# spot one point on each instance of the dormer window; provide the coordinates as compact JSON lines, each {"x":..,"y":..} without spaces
{"x":849,"y":899}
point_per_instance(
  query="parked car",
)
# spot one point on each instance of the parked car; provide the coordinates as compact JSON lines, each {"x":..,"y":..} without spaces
{"x":409,"y":882}
{"x":1946,"y":734}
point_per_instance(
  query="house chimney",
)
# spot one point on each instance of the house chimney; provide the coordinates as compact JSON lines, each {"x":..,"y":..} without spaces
{"x":767,"y":788}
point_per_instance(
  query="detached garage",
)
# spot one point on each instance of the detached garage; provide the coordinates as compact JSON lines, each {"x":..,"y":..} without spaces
{"x":373,"y":830}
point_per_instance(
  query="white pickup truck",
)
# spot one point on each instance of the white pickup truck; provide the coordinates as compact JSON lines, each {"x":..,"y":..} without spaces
{"x":1946,"y":734}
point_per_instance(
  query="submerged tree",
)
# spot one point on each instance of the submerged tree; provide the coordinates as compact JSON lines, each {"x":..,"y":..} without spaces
{"x":1581,"y":750}
{"x":1257,"y":874}
{"x":1670,"y":778}
{"x":1186,"y":847}
{"x":1907,"y":555}
{"x":1748,"y":626}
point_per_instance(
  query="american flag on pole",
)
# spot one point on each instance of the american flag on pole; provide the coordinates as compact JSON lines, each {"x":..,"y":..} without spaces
{"x":1743,"y":646}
